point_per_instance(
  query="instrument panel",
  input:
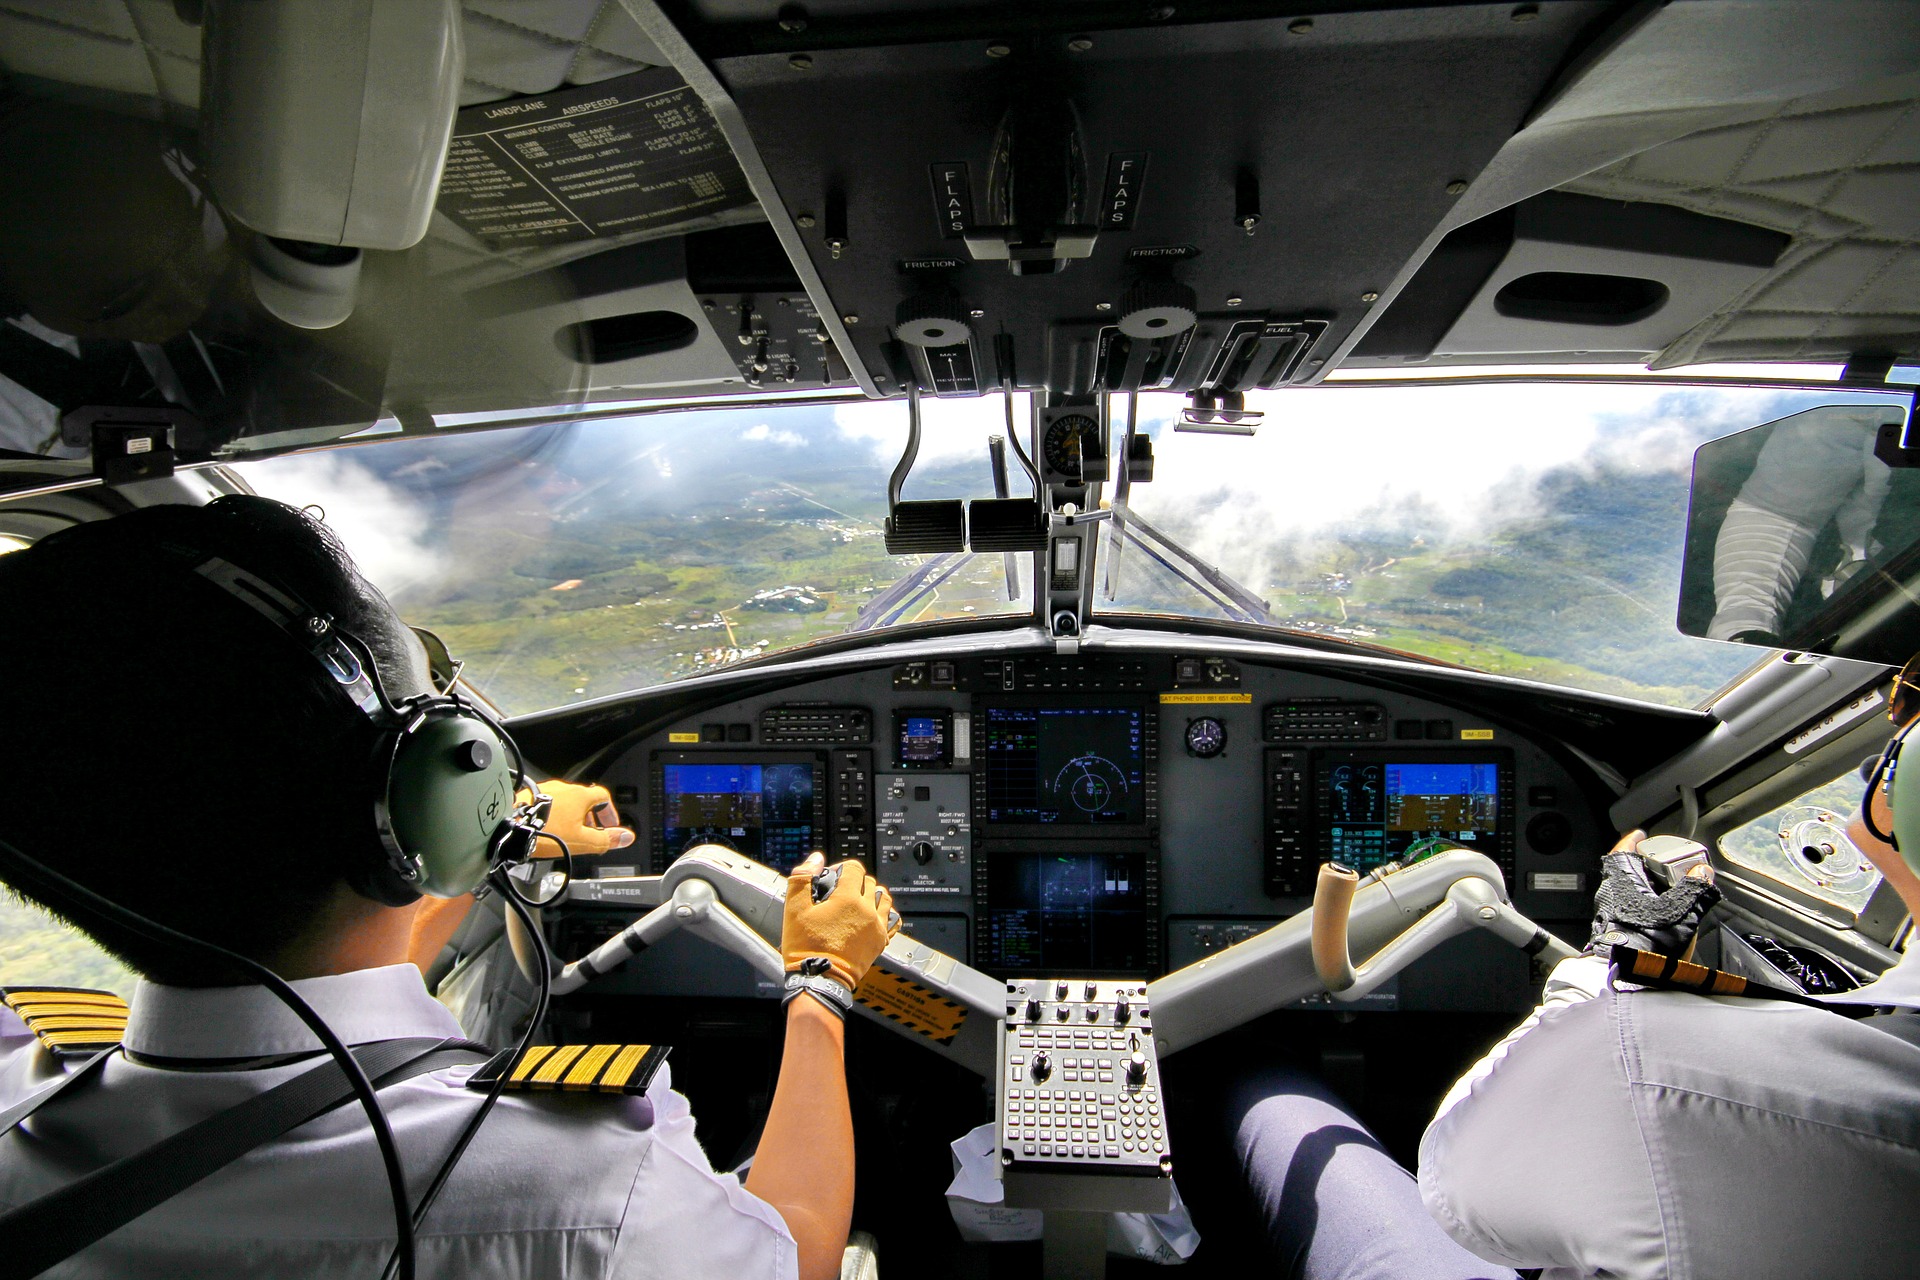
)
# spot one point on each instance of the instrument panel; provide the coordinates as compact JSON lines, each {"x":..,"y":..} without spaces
{"x":1106,"y":815}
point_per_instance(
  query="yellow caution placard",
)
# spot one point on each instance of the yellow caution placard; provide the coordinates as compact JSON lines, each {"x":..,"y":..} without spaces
{"x":913,"y":1006}
{"x":1476,"y":735}
{"x":1206,"y":699}
{"x":683,"y":737}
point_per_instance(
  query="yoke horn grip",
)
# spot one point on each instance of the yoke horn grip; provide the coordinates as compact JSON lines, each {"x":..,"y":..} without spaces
{"x":1332,"y":899}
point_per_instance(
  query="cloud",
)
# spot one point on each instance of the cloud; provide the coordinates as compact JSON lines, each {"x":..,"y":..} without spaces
{"x":950,"y":430}
{"x":1446,"y":463}
{"x":764,"y":434}
{"x":385,"y":529}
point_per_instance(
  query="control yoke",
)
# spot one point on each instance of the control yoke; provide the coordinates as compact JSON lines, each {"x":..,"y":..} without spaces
{"x":1471,"y":902}
{"x":957,"y":1011}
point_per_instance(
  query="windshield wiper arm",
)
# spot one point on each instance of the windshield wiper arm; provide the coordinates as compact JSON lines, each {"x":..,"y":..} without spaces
{"x":1240,"y":603}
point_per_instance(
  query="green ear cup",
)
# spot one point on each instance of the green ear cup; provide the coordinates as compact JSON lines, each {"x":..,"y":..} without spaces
{"x":450,"y":789}
{"x":1904,"y":798}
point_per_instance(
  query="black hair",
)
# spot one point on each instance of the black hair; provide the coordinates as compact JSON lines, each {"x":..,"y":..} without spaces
{"x":171,"y":749}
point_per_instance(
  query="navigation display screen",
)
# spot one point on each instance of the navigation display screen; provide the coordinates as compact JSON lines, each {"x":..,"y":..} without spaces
{"x":764,"y":811}
{"x":1066,"y":913}
{"x":1373,"y":808}
{"x":1066,"y":766}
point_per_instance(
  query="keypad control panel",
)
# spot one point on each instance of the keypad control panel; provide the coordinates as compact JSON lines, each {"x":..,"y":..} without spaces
{"x":1080,"y":1081}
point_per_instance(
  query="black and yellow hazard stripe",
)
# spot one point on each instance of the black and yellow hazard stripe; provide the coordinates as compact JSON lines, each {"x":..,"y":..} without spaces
{"x":69,"y":1020}
{"x":575,"y":1068}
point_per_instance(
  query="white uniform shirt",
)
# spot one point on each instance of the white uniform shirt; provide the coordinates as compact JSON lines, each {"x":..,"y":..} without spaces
{"x":1656,"y":1135}
{"x":590,"y":1186}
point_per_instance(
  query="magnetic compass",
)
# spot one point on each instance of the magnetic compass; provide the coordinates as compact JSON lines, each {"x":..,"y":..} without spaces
{"x":1206,"y":737}
{"x":1067,"y":436}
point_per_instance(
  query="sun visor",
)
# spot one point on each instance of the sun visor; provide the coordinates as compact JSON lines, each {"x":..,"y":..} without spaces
{"x":1801,"y":536}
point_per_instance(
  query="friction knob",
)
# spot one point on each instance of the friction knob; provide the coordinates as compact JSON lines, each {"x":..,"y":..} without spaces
{"x":932,"y":320}
{"x":1158,"y":309}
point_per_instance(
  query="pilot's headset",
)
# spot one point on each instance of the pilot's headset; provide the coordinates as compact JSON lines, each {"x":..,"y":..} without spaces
{"x":442,"y":774}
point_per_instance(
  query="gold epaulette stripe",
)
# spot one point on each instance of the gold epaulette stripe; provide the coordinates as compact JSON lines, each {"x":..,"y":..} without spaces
{"x":559,"y":1061}
{"x":87,"y":1022}
{"x":531,"y":1059}
{"x":70,"y":1010}
{"x":17,"y":996}
{"x":623,"y":1066}
{"x":579,"y":1068}
{"x":80,"y":1039}
{"x":588,"y":1068}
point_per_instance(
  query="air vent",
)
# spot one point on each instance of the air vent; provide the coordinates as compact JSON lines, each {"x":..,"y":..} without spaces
{"x":1578,"y":297}
{"x":612,"y":339}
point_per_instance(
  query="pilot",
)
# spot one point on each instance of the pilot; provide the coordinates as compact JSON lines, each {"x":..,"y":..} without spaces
{"x":1626,"y":1133}
{"x":167,"y":754}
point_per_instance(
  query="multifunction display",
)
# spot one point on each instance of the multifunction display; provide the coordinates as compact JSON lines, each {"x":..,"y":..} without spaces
{"x":1058,"y":912}
{"x":1375,"y":808}
{"x":767,"y":810}
{"x":1066,"y":766}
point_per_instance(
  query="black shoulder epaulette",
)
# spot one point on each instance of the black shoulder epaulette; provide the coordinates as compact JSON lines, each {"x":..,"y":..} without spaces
{"x":574,"y":1068}
{"x":70,"y":1021}
{"x":1664,"y":973}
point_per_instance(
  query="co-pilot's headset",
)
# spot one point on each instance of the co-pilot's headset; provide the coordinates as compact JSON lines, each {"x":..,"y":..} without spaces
{"x":442,"y":774}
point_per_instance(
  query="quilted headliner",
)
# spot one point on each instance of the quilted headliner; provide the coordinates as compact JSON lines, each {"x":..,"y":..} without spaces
{"x":1838,"y":173}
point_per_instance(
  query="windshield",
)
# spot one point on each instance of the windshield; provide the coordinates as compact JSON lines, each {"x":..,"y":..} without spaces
{"x":1532,"y":530}
{"x":571,"y":562}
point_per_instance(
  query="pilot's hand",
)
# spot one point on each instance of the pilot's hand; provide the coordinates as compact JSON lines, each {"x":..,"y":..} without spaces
{"x":583,"y":816}
{"x":842,"y":933}
{"x":1628,"y":911}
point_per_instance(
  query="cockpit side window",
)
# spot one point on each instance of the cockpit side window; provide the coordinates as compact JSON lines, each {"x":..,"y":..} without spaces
{"x":39,"y":950}
{"x":1803,"y":844}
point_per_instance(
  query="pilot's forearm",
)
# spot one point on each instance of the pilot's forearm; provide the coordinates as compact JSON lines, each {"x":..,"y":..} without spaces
{"x":804,"y":1166}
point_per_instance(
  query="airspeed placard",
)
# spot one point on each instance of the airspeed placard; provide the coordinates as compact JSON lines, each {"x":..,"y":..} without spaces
{"x":633,"y":153}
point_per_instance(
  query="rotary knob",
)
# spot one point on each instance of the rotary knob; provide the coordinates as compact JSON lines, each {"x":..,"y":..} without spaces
{"x":923,"y":852}
{"x":932,"y":320}
{"x":1158,"y":309}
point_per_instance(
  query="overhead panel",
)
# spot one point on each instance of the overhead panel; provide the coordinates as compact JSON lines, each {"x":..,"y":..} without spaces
{"x":1265,"y":178}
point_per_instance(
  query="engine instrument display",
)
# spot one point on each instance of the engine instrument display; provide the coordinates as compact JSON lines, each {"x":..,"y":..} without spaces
{"x":766,"y":810}
{"x":1058,"y":912}
{"x":1374,"y":806}
{"x":1061,"y":766}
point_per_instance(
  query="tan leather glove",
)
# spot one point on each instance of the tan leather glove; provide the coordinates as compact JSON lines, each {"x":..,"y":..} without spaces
{"x":583,"y":816}
{"x":844,"y":933}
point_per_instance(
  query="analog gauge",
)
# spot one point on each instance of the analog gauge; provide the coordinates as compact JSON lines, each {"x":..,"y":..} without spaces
{"x":1206,"y":737}
{"x":1064,"y":442}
